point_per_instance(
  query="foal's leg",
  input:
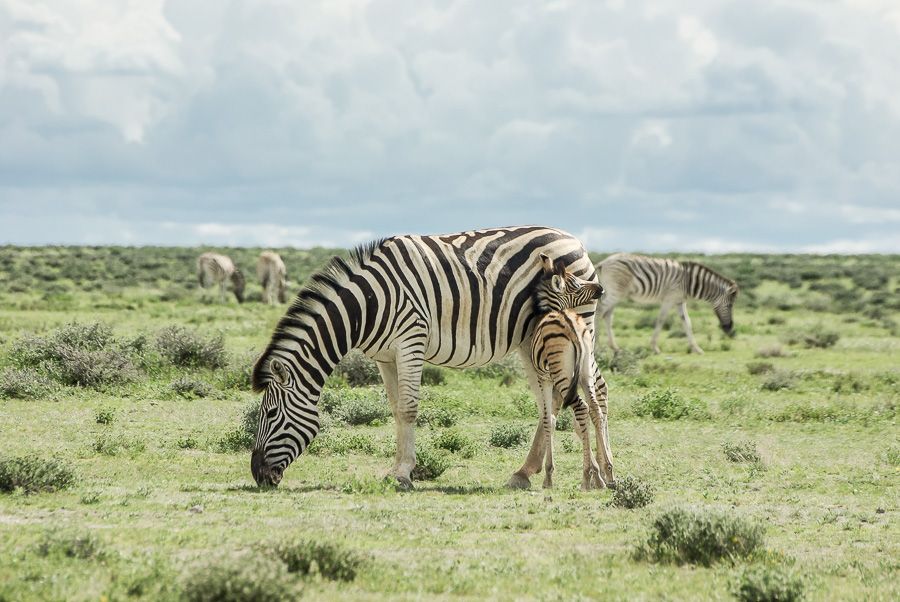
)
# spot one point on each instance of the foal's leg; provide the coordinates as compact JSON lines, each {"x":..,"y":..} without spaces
{"x":595,"y":385}
{"x":521,"y":478}
{"x":548,"y":425}
{"x":590,"y":476}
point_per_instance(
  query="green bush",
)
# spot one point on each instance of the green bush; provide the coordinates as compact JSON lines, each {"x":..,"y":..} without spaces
{"x":343,"y":442}
{"x":667,"y":404}
{"x":71,"y":545}
{"x":508,"y":435}
{"x":437,"y":417}
{"x":506,"y":370}
{"x":631,"y":492}
{"x":237,"y":374}
{"x":456,"y":442}
{"x":771,"y":351}
{"x":331,"y":561}
{"x":188,"y":349}
{"x":741,"y":451}
{"x":189,"y":388}
{"x":25,"y":383}
{"x":623,"y":361}
{"x":760,"y":367}
{"x":565,"y":420}
{"x":104,"y":416}
{"x":701,"y":536}
{"x":109,"y":445}
{"x":778,"y":380}
{"x":248,"y":579}
{"x":358,"y":370}
{"x":356,"y":410}
{"x":34,"y":475}
{"x":761,"y":583}
{"x":432,"y":376}
{"x":430,"y":463}
{"x":893,"y":455}
{"x":187,"y":443}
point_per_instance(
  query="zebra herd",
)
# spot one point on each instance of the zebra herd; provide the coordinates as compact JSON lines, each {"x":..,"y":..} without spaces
{"x":462,"y":300}
{"x":213,"y":268}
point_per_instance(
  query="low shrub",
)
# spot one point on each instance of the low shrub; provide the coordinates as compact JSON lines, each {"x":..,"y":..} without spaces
{"x":667,"y":404}
{"x":623,"y":361}
{"x":760,"y":367}
{"x":243,"y":436}
{"x":109,"y":445}
{"x":34,"y":475}
{"x":565,"y":420}
{"x":357,"y":410}
{"x":71,"y":545}
{"x":187,"y":443}
{"x":430,"y":463}
{"x":893,"y":455}
{"x":25,"y":383}
{"x":508,"y":435}
{"x":817,"y":337}
{"x":701,"y":536}
{"x":188,"y":349}
{"x":778,"y":380}
{"x":436,"y":417}
{"x":331,"y":561}
{"x":762,"y":583}
{"x":432,"y":376}
{"x":804,"y":412}
{"x":456,"y":442}
{"x":189,"y":388}
{"x":236,"y":375}
{"x":525,"y":405}
{"x":631,"y":492}
{"x":358,"y":370}
{"x":506,"y":370}
{"x":104,"y":416}
{"x":741,"y":451}
{"x":343,"y":442}
{"x":248,"y":579}
{"x":771,"y":351}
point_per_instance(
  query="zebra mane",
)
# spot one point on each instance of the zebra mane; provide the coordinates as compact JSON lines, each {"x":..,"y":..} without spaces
{"x":330,"y":278}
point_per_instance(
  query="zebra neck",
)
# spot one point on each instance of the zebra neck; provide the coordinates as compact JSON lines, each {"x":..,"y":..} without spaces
{"x":702,"y":283}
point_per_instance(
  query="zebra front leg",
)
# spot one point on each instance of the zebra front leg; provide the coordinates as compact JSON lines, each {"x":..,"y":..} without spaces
{"x":397,"y":380}
{"x":660,"y":320}
{"x":521,"y":479}
{"x":548,"y":424}
{"x":686,"y":321}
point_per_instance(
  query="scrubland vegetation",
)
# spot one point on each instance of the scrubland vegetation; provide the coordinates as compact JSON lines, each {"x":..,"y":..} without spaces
{"x":766,"y":469}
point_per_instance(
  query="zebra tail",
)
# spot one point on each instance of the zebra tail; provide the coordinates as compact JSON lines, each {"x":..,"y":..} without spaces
{"x":572,"y":394}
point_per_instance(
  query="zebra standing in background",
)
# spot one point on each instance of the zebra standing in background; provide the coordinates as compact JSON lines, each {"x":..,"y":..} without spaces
{"x":665,"y":281}
{"x":562,"y":354}
{"x":272,"y":275}
{"x":455,"y":300}
{"x":213,"y":268}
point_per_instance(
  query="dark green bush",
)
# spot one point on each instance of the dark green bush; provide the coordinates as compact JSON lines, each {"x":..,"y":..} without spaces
{"x":623,"y":361}
{"x":771,"y":351}
{"x":188,"y":349}
{"x":508,"y":435}
{"x":105,"y":416}
{"x":565,"y":420}
{"x":430,"y":463}
{"x":248,"y":579}
{"x":700,"y":536}
{"x":456,"y":442}
{"x":432,"y":376}
{"x":437,"y":417}
{"x":358,"y":370}
{"x":187,"y":443}
{"x":366,"y":409}
{"x":343,"y":442}
{"x":189,"y":388}
{"x":507,"y":369}
{"x":761,"y":583}
{"x":23,"y":384}
{"x":760,"y":367}
{"x":71,"y":545}
{"x":667,"y":404}
{"x":778,"y":380}
{"x":331,"y":561}
{"x":34,"y":475}
{"x":109,"y":445}
{"x":741,"y":451}
{"x":631,"y":492}
{"x":237,"y":374}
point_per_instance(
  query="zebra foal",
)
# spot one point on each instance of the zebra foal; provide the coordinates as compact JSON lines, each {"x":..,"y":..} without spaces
{"x":213,"y":268}
{"x":272,"y":275}
{"x":458,"y":300}
{"x":562,"y":353}
{"x":668,"y":282}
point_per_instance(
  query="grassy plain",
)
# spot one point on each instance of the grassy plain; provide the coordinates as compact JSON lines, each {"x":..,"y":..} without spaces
{"x":159,"y":496}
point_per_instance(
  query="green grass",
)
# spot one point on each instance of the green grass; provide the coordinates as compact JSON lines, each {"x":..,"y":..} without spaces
{"x":160,"y":501}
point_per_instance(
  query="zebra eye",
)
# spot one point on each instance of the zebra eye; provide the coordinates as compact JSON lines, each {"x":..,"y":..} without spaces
{"x":272,"y":413}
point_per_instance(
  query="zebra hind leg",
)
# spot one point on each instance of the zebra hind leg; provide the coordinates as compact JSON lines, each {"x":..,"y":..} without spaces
{"x":590,"y":475}
{"x":548,"y":425}
{"x":686,"y":322}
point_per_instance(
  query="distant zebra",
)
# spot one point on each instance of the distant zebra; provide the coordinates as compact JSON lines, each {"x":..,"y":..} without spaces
{"x":213,"y":268}
{"x":665,"y":281}
{"x":272,"y":275}
{"x":562,"y":354}
{"x":456,"y":300}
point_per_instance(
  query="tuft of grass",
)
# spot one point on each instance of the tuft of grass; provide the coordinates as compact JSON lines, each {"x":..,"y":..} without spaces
{"x":437,"y":417}
{"x":188,"y":349}
{"x":762,"y":583}
{"x":104,"y":416}
{"x":455,"y":441}
{"x":243,"y":436}
{"x":816,"y":338}
{"x":328,"y":560}
{"x":81,"y":545}
{"x":703,"y":536}
{"x":508,"y":435}
{"x":741,"y":451}
{"x":25,"y":383}
{"x":506,"y":370}
{"x":109,"y":445}
{"x":893,"y":455}
{"x":760,"y":367}
{"x":358,"y":370}
{"x":778,"y":380}
{"x":631,"y":492}
{"x":34,"y":475}
{"x":565,"y":420}
{"x":187,"y":443}
{"x":189,"y":388}
{"x":343,"y":442}
{"x":430,"y":463}
{"x":771,"y":351}
{"x":248,"y":579}
{"x":667,"y":404}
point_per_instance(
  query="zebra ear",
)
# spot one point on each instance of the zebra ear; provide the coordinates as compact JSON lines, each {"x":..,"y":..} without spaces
{"x":557,"y":283}
{"x":546,"y":265}
{"x":278,"y":370}
{"x":559,"y":267}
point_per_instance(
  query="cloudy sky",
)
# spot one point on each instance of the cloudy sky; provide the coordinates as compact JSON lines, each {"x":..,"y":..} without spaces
{"x":707,"y":125}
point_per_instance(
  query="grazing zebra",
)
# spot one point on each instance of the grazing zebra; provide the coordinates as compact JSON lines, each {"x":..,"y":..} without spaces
{"x":213,"y":268}
{"x":456,"y":300}
{"x":272,"y":275}
{"x":562,"y":354}
{"x":665,"y":281}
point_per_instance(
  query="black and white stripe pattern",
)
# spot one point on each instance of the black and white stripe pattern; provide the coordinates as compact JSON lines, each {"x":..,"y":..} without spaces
{"x":455,"y":300}
{"x":213,"y":268}
{"x":668,"y":282}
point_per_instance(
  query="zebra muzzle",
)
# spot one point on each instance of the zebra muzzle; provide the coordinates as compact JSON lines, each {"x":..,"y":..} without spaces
{"x":263,"y":474}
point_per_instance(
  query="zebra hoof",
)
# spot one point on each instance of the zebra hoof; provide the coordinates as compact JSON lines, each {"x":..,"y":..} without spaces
{"x":518,"y":481}
{"x":404,"y":484}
